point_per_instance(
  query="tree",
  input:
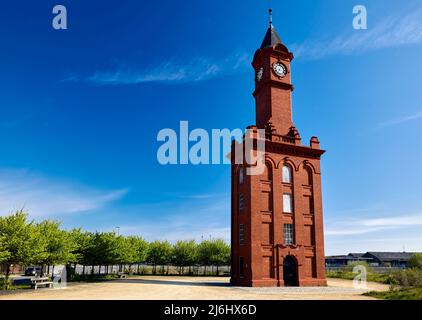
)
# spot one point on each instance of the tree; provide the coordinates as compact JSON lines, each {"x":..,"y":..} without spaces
{"x":58,"y":244}
{"x":159,"y":253}
{"x":140,"y":247}
{"x":81,"y":241}
{"x":205,"y":252}
{"x":416,"y":261}
{"x":127,"y":251}
{"x":184,"y":254}
{"x":4,"y":254}
{"x":105,"y":249}
{"x":21,"y":242}
{"x":220,"y":253}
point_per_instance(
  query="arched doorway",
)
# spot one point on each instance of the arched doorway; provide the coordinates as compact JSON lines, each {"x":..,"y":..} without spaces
{"x":290,"y":272}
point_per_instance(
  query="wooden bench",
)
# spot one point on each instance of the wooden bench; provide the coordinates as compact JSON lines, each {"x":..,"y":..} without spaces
{"x":41,"y":282}
{"x":122,"y":275}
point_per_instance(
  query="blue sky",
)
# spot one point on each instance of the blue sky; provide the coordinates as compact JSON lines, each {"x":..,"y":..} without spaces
{"x":80,"y":110}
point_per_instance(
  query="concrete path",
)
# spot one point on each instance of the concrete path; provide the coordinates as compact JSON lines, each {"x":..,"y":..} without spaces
{"x":187,"y":288}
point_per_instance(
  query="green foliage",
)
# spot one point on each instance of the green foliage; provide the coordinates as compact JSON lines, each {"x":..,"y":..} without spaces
{"x":24,"y":242}
{"x":159,"y":253}
{"x":398,"y":294}
{"x":21,"y":242}
{"x":59,"y":244}
{"x":416,"y":261}
{"x":408,"y":278}
{"x":220,"y":252}
{"x":81,"y":242}
{"x":213,"y":252}
{"x":347,"y":274}
{"x":205,"y":252}
{"x":184,"y":254}
{"x":352,"y":265}
{"x":4,"y":253}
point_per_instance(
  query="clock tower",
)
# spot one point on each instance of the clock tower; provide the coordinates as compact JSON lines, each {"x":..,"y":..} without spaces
{"x":277,"y":225}
{"x":273,"y":86}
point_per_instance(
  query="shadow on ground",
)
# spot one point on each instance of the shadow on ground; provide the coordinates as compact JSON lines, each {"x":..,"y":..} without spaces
{"x":175,"y":282}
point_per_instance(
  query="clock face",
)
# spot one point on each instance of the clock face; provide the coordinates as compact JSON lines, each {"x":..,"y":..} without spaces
{"x":279,"y":69}
{"x":259,"y":74}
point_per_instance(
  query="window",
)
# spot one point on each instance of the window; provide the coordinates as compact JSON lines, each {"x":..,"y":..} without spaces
{"x":241,"y":175}
{"x":268,"y":172}
{"x":241,"y":203}
{"x":288,"y":234}
{"x":287,"y":174}
{"x":311,"y":205}
{"x":287,"y":203}
{"x":241,"y":267}
{"x":309,"y":177}
{"x":241,"y":234}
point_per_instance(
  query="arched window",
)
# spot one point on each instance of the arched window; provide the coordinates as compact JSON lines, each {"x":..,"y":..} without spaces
{"x":241,"y":175}
{"x":287,"y":174}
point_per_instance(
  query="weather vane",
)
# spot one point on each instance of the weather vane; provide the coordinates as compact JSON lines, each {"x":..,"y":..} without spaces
{"x":271,"y":16}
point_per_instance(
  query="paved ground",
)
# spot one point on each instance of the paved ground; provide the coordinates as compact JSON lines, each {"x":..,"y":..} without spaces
{"x":186,"y":288}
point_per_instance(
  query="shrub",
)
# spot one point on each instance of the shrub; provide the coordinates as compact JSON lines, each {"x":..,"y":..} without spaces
{"x":408,"y":278}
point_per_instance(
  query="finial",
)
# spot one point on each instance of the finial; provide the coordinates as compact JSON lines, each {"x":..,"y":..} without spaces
{"x":271,"y":17}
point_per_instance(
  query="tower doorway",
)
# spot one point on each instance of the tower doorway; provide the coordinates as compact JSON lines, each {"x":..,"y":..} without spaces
{"x":290,"y":272}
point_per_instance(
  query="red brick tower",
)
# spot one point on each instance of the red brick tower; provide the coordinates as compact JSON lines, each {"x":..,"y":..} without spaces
{"x":277,"y":226}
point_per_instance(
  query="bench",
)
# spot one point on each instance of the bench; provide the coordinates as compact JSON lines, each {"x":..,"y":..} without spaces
{"x":122,"y":275}
{"x":41,"y":282}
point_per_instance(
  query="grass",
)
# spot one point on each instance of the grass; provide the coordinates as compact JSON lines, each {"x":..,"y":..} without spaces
{"x":397,"y":294}
{"x":349,"y":275}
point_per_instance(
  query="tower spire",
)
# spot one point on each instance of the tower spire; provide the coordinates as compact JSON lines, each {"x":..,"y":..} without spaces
{"x":271,"y":17}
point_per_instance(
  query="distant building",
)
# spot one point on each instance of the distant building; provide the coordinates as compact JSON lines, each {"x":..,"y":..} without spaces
{"x":374,"y":259}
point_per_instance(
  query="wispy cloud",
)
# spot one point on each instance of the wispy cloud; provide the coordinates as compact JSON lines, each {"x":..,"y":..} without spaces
{"x":350,"y":227}
{"x":396,"y":30}
{"x":44,"y":197}
{"x":172,"y":71}
{"x":400,"y":120}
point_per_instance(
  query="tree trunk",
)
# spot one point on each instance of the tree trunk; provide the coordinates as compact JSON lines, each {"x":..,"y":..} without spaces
{"x":48,"y":270}
{"x":69,"y":272}
{"x":6,"y":277}
{"x":217,"y":269}
{"x":83,"y":270}
{"x":138,"y":269}
{"x":52,"y":272}
{"x":205,"y":270}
